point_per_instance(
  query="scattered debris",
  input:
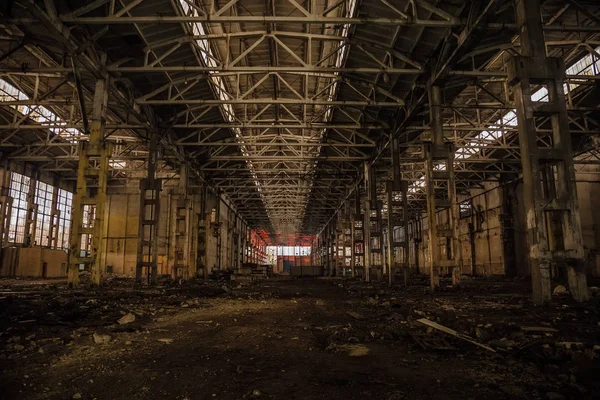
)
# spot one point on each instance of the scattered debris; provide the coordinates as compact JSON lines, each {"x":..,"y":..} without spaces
{"x":548,"y":352}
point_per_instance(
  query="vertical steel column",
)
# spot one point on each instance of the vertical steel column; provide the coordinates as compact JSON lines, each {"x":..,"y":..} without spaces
{"x":236,"y":243}
{"x":439,"y":167}
{"x":397,"y":191}
{"x":369,"y":202}
{"x":87,"y":226}
{"x":217,"y":230}
{"x":453,"y":217}
{"x":339,"y":234}
{"x":181,"y":228}
{"x":352,"y":244}
{"x":358,"y":245}
{"x":32,"y":210}
{"x":5,"y":205}
{"x":558,"y":205}
{"x":150,"y":187}
{"x":201,"y":260}
{"x":5,"y":212}
{"x":54,"y":217}
{"x":348,"y":238}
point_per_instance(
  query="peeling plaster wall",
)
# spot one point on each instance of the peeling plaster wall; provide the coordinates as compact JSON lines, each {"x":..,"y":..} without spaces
{"x":122,"y":225}
{"x":491,"y":256}
{"x":227,"y":220}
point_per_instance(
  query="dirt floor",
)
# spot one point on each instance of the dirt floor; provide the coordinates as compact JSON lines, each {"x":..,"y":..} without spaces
{"x":287,"y":338}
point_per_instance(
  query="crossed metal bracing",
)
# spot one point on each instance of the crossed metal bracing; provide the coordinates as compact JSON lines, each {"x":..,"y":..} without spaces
{"x":475,"y":103}
{"x":277,"y":104}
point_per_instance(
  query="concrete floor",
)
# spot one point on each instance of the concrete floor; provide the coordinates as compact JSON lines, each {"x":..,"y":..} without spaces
{"x":292,"y":339}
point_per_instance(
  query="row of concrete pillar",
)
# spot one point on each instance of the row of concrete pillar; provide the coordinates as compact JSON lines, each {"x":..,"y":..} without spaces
{"x":86,"y":239}
{"x":542,"y":168}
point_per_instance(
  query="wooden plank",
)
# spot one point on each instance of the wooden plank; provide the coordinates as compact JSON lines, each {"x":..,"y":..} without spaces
{"x":452,"y":332}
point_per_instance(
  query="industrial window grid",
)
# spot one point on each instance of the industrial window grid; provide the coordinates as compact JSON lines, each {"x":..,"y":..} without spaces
{"x":43,"y":198}
{"x":19,"y":188}
{"x":465,"y":209}
{"x":64,"y":205}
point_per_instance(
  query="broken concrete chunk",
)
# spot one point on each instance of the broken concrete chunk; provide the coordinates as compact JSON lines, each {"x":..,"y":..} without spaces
{"x":126,"y":319}
{"x":560,"y":290}
{"x":100,"y":338}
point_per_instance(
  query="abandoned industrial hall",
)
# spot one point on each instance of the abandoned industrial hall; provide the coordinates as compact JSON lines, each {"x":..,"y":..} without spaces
{"x":300,"y":199}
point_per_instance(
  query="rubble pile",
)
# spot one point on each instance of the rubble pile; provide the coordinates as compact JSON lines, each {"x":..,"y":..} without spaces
{"x":560,"y":343}
{"x":44,"y":318}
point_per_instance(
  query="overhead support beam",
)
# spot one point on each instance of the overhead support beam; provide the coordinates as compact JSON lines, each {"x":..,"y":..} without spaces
{"x":87,"y":229}
{"x":307,"y":102}
{"x":549,"y":184}
{"x":257,"y":125}
{"x":263,"y":19}
{"x":146,"y":69}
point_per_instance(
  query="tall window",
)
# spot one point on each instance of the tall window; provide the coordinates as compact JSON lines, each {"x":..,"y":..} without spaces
{"x":65,"y":202}
{"x":43,"y":198}
{"x":19,"y":187}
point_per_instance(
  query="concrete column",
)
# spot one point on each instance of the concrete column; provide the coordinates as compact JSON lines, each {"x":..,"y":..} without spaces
{"x":558,"y":202}
{"x":93,"y":202}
